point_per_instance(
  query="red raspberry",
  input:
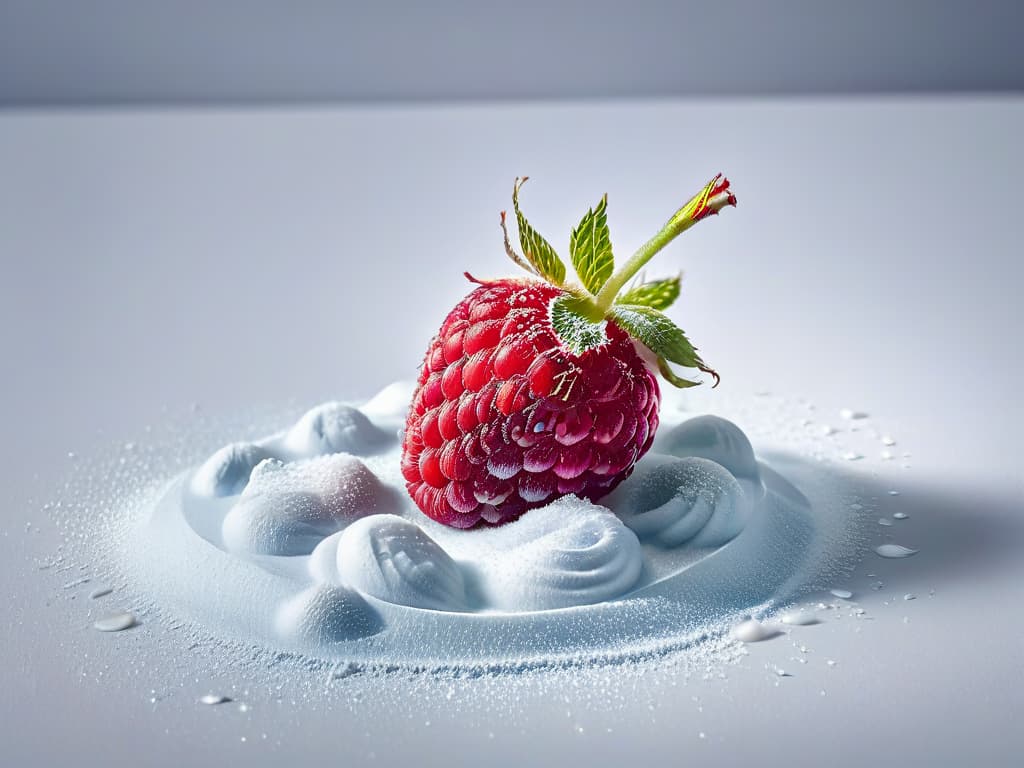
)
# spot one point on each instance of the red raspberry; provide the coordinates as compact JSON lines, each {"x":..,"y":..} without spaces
{"x":532,"y":390}
{"x":505,"y":419}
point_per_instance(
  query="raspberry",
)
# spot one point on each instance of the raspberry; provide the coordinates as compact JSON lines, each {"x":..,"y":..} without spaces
{"x":518,"y":420}
{"x":533,"y":390}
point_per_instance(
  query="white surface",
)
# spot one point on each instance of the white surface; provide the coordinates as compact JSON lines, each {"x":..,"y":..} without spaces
{"x":873,"y":263}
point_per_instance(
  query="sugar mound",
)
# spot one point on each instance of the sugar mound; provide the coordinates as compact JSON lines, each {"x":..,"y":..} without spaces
{"x":570,"y":552}
{"x":675,"y":501}
{"x":327,"y":614}
{"x":391,"y":402}
{"x":717,"y":439}
{"x":318,"y":551}
{"x":394,"y":560}
{"x":287,"y":509}
{"x":334,"y":428}
{"x":227,"y":471}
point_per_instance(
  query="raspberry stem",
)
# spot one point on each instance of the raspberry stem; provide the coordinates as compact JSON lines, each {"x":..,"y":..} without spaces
{"x":710,"y":200}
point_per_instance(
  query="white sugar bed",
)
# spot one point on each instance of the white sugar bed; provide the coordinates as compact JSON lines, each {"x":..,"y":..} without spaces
{"x":306,"y":542}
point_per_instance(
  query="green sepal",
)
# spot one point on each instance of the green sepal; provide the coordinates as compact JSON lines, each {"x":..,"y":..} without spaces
{"x":590,"y":248}
{"x":658,"y":333}
{"x":657,"y":294}
{"x":536,"y":249}
{"x":571,"y":321}
{"x":670,"y":376}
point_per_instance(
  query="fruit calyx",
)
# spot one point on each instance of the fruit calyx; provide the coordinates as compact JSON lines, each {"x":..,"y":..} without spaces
{"x":579,"y":316}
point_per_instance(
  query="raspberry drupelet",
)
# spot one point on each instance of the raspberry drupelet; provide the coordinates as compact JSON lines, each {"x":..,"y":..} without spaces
{"x":534,"y":389}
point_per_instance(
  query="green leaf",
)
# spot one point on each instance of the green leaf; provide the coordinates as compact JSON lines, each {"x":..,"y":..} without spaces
{"x":574,"y":328}
{"x":590,"y":248}
{"x":537,"y":250}
{"x":657,"y":333}
{"x":657,"y":294}
{"x":663,"y":338}
{"x":676,"y":381}
{"x":510,"y":251}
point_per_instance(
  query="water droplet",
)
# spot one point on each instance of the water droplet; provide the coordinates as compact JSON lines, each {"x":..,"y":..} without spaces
{"x":71,"y":454}
{"x":76,"y":583}
{"x":538,"y":427}
{"x":886,"y":440}
{"x":845,"y":594}
{"x":886,"y":455}
{"x":900,"y":515}
{"x":781,"y":672}
{"x":831,"y":663}
{"x":115,"y":622}
{"x":827,"y":430}
{"x":100,"y":592}
{"x":884,"y":521}
{"x":910,"y":596}
{"x":852,"y":456}
{"x":894,"y":550}
{"x":800,"y":618}
{"x":848,"y":413}
{"x":212,"y":699}
{"x":894,"y":493}
{"x":753,"y":631}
